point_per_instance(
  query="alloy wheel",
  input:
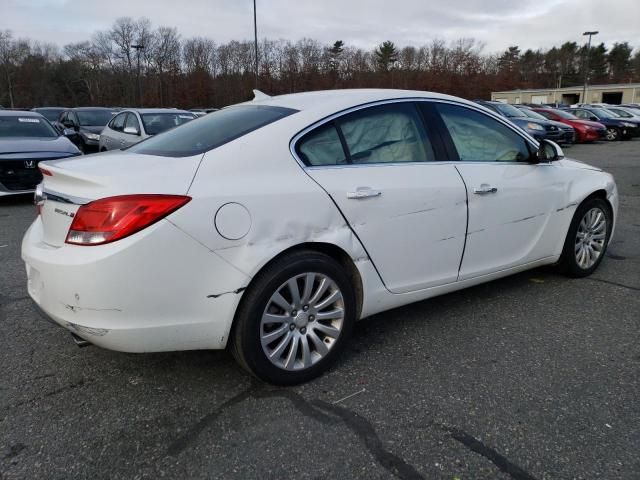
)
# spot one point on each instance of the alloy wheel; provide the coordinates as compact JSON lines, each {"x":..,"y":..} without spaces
{"x":302,"y":321}
{"x":612,"y":134}
{"x":590,"y":238}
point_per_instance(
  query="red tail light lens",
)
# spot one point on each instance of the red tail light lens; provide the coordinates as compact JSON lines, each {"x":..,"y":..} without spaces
{"x":110,"y":219}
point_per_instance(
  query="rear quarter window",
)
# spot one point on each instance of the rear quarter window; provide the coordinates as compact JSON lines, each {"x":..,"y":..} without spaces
{"x":211,"y":131}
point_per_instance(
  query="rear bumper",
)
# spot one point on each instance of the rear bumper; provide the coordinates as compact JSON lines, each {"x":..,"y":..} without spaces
{"x":157,"y":290}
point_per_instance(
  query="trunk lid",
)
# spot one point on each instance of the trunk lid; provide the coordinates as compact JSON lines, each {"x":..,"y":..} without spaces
{"x":76,"y":182}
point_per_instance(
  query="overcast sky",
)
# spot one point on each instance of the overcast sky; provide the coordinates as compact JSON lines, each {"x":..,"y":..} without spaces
{"x":362,"y":23}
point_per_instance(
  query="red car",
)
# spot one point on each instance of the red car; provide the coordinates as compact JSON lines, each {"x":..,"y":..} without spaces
{"x":586,"y":130}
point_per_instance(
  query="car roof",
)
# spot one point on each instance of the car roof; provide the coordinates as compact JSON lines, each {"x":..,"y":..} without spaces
{"x":19,"y":113}
{"x":89,"y":108}
{"x":155,"y":110}
{"x":331,"y":101}
{"x":35,"y":109}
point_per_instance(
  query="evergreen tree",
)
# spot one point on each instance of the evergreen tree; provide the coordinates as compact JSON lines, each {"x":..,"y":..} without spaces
{"x":385,"y":56}
{"x":619,"y":60}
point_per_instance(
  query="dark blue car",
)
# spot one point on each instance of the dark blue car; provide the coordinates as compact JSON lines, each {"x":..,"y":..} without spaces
{"x":617,"y":128}
{"x":538,"y":129}
{"x":27,"y":138}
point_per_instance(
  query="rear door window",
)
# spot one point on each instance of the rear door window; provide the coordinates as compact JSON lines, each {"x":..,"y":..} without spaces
{"x":322,"y":147}
{"x":391,"y":133}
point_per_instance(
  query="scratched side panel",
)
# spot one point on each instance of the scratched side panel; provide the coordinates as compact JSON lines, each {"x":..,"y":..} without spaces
{"x":414,"y":229}
{"x":286,"y":207}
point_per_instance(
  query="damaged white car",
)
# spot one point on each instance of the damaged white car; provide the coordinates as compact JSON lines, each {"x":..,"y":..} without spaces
{"x":272,"y":226}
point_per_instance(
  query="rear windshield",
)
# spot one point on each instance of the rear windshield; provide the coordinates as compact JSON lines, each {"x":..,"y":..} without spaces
{"x":211,"y":131}
{"x":50,"y":114}
{"x":155,"y":123}
{"x":94,"y":118}
{"x":26,"y":126}
{"x":603,"y":113}
{"x":619,"y":112}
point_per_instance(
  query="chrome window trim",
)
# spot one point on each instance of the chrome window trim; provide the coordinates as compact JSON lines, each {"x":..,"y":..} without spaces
{"x":63,"y":198}
{"x":293,"y":142}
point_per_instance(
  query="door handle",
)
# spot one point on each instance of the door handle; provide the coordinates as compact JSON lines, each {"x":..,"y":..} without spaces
{"x":484,"y":189}
{"x":363,"y":192}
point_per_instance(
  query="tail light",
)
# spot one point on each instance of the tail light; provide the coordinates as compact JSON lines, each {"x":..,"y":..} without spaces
{"x":110,"y":219}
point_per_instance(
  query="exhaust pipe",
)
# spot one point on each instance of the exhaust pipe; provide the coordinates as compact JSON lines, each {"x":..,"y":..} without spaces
{"x":79,"y":341}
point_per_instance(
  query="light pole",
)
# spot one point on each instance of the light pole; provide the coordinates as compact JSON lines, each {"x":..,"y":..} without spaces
{"x":586,"y":66}
{"x":255,"y":38}
{"x":139,"y":47}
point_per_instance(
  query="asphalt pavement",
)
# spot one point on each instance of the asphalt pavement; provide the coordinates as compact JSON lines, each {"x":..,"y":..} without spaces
{"x":535,"y":376}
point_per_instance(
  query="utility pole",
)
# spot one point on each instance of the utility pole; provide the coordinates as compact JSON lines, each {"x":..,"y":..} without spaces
{"x":255,"y":38}
{"x":586,"y":66}
{"x":139,"y":47}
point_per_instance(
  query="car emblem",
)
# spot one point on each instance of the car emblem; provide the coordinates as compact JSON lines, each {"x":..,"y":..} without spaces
{"x":29,"y":164}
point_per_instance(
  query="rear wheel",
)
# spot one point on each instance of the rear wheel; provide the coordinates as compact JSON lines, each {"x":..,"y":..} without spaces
{"x":587,"y":239}
{"x":294,"y":319}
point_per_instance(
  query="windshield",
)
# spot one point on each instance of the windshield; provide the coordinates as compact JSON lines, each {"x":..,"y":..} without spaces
{"x":601,"y":112}
{"x":565,"y":114}
{"x":508,"y":110}
{"x":94,"y":118}
{"x":211,"y":131}
{"x":155,"y":123}
{"x":619,"y":112}
{"x":25,"y":127}
{"x":50,"y":114}
{"x":531,"y":114}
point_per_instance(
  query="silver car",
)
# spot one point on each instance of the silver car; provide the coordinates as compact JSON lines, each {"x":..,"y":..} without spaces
{"x":134,"y":125}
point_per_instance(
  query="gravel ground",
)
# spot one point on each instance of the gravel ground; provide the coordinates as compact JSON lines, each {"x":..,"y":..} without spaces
{"x":532,"y":376}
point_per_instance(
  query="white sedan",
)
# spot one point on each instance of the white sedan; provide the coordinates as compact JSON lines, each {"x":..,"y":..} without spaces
{"x":272,"y":226}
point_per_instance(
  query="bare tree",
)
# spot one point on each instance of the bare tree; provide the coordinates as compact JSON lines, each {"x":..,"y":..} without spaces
{"x":12,"y":54}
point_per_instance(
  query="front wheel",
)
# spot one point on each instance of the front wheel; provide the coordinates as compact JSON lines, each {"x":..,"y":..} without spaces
{"x":612,"y":134}
{"x":294,"y":319}
{"x":587,"y":239}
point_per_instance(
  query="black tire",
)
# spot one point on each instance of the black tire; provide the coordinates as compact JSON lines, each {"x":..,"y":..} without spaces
{"x":612,"y":134}
{"x":568,"y":263}
{"x":245,"y":343}
{"x":82,"y":147}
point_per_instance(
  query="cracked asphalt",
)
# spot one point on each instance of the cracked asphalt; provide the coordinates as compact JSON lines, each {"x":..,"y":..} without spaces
{"x":534,"y":376}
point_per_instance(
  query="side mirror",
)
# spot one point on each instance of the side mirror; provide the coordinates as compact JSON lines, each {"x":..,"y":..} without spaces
{"x":131,"y":131}
{"x":67,"y":132}
{"x":549,"y":151}
{"x":593,"y":118}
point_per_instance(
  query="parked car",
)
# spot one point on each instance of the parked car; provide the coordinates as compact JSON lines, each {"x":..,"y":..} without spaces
{"x":538,"y":129}
{"x":273,"y":225}
{"x":617,"y":128}
{"x":200,"y":112}
{"x":586,"y":130}
{"x":83,"y":125}
{"x":27,"y":138}
{"x":633,"y":109}
{"x":627,"y":114}
{"x":131,"y":126}
{"x":50,"y":113}
{"x":568,"y":133}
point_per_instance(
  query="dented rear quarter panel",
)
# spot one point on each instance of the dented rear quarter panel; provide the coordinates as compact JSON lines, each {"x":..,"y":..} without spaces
{"x":287,"y":208}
